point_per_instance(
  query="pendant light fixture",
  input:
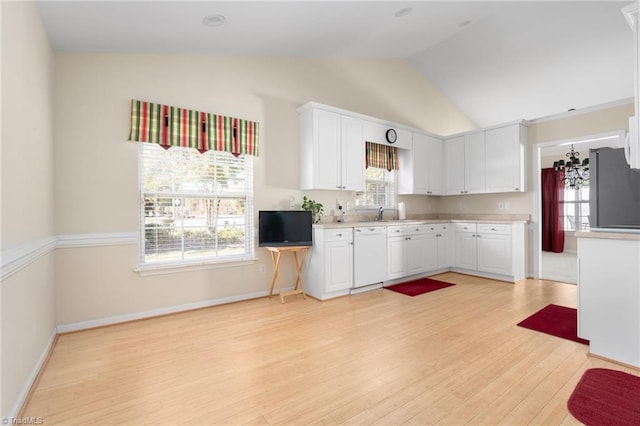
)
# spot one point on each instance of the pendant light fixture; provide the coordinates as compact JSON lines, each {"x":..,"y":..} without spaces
{"x":576,"y":173}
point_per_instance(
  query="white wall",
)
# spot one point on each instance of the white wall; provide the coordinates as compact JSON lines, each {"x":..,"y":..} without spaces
{"x":96,"y":168}
{"x":27,"y":292}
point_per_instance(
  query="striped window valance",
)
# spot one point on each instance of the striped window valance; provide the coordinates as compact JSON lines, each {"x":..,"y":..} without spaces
{"x":382,"y":156}
{"x":172,"y":126}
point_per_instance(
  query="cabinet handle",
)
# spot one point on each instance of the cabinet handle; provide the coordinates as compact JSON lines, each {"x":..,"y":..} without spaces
{"x":428,"y":192}
{"x":517,"y":189}
{"x":438,"y":235}
{"x":493,"y":229}
{"x":338,"y":235}
{"x":372,"y":229}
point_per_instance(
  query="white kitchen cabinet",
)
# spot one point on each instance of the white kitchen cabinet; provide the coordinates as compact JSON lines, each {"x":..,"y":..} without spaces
{"x":421,"y":167}
{"x":494,"y":249}
{"x":332,"y":150}
{"x":418,"y":249}
{"x":444,"y":246}
{"x":329,"y":269}
{"x":465,"y":160}
{"x":632,"y":144}
{"x":505,"y":159}
{"x":466,"y":248}
{"x":491,"y":250}
{"x":396,"y":252}
{"x":609,"y":296}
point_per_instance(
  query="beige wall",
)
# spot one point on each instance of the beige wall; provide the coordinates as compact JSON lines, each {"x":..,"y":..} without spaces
{"x":96,"y":168}
{"x":27,"y":296}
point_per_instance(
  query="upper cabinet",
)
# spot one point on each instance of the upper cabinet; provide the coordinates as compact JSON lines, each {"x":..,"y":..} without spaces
{"x":504,"y":158}
{"x":421,"y":167}
{"x":465,"y":160}
{"x":632,"y":144}
{"x":332,"y":151}
{"x":487,"y":161}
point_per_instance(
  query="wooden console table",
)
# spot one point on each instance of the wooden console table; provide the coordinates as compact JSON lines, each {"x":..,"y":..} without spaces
{"x":276,"y":252}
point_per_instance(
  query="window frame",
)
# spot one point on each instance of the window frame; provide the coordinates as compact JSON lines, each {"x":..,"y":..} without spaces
{"x":581,"y":223}
{"x":390,"y":183}
{"x":204,"y":262}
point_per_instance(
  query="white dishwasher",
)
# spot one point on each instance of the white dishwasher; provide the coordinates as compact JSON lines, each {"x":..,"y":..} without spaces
{"x":369,"y":255}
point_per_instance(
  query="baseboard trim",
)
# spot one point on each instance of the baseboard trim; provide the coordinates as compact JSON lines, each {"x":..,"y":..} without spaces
{"x":33,"y":378}
{"x":117,"y":319}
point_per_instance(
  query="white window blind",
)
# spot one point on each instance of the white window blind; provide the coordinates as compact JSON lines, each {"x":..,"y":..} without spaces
{"x":380,"y":189}
{"x":195,"y":207}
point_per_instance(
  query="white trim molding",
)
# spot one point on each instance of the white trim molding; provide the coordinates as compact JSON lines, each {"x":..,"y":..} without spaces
{"x":14,"y":259}
{"x":24,"y":393}
{"x":17,"y":258}
{"x":101,"y":322}
{"x":94,"y":240}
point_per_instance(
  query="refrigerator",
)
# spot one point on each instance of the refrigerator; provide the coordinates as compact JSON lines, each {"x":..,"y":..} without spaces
{"x":614,"y":194}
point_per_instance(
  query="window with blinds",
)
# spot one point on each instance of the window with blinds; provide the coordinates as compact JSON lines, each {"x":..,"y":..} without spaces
{"x":380,"y":189}
{"x":195,"y":207}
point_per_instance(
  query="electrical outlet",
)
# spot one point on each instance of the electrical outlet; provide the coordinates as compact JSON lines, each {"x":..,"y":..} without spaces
{"x":263,"y":269}
{"x":501,"y":205}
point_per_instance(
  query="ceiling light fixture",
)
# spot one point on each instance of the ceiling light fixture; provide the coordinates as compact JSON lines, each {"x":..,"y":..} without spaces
{"x":214,"y":20}
{"x":403,"y":12}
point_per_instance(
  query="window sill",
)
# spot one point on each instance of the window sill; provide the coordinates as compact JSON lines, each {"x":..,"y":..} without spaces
{"x":173,"y":268}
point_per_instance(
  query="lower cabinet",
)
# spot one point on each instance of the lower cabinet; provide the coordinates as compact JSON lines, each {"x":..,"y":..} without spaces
{"x":609,"y":296}
{"x":416,"y":249}
{"x":329,"y":269}
{"x":494,"y":250}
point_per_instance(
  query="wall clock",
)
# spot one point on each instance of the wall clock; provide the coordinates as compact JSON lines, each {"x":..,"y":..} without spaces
{"x":392,"y":136}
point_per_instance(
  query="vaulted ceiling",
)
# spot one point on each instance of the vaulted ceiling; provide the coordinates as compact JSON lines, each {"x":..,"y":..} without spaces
{"x":497,"y":61}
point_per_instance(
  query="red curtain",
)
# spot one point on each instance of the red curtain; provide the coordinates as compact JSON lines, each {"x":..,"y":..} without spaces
{"x":552,"y":198}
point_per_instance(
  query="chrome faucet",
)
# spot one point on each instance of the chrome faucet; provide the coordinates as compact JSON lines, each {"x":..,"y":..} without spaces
{"x":379,"y":218}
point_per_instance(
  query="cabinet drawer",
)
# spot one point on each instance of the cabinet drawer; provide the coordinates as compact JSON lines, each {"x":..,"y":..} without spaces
{"x":494,"y":228}
{"x":417,"y":229}
{"x":339,"y":234}
{"x":396,"y":231}
{"x":371,"y":230}
{"x":465,"y":227}
{"x":443,"y":227}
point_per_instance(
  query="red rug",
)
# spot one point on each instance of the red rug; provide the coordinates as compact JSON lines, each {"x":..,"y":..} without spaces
{"x":606,"y":397}
{"x":557,"y":321}
{"x":423,"y":285}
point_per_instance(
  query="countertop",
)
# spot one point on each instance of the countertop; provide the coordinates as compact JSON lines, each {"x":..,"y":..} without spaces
{"x":610,"y":235}
{"x":334,"y":225}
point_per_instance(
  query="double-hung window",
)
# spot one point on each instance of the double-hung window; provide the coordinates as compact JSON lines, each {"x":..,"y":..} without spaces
{"x":195,"y":208}
{"x":380,"y":189}
{"x":576,"y":209}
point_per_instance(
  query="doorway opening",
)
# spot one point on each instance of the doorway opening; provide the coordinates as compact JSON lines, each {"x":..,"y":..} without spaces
{"x":563,"y":266}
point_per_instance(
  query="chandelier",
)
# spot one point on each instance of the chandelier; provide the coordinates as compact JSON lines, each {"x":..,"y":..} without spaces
{"x":576,"y":173}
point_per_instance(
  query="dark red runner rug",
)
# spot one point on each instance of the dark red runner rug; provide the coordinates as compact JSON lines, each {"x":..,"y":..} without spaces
{"x":423,"y":285}
{"x":557,"y":321}
{"x":606,"y":397}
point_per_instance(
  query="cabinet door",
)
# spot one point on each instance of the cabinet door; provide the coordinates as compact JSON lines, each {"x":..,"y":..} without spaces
{"x":396,"y":254}
{"x":434,"y":155}
{"x":465,"y":251}
{"x":419,"y":248}
{"x":445,"y":253}
{"x":429,"y":251}
{"x":504,"y":158}
{"x":339,"y":265}
{"x":353,"y":154}
{"x":454,"y":159}
{"x":474,"y":163}
{"x":494,"y":254}
{"x":326,"y":156}
{"x":412,"y":176}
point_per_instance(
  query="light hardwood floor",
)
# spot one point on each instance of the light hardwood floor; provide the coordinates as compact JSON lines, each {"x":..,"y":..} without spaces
{"x":454,"y":356}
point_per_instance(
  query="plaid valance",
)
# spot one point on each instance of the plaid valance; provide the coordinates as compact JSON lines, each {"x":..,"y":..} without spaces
{"x":382,"y":156}
{"x":172,"y":126}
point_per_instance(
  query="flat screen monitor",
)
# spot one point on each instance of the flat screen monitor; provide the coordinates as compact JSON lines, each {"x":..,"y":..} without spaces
{"x":277,"y":228}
